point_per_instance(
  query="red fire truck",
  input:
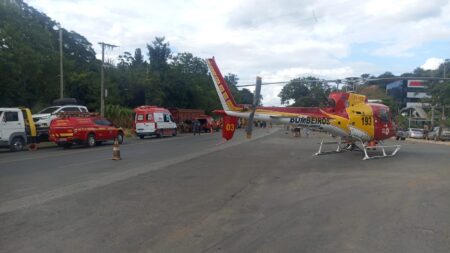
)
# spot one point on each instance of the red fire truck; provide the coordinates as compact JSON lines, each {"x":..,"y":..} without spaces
{"x":154,"y":121}
{"x":83,"y":128}
{"x":207,"y":123}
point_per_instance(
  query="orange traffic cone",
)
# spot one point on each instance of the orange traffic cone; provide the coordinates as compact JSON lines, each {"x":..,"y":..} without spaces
{"x":116,"y":151}
{"x":32,"y":147}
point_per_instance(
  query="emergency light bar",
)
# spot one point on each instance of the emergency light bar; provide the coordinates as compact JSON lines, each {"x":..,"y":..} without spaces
{"x":77,"y":114}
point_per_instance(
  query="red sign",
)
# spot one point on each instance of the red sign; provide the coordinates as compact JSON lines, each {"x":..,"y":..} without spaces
{"x":229,"y":126}
{"x":416,"y":84}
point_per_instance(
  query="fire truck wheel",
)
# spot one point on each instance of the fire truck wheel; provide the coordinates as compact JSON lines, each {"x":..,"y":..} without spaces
{"x":158,"y":134}
{"x":90,"y":140}
{"x":17,"y":144}
{"x":120,"y":137}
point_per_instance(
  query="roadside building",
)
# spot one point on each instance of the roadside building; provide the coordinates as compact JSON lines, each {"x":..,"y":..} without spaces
{"x":408,"y":93}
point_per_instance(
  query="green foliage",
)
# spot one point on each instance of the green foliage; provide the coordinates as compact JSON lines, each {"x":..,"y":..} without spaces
{"x":29,"y":72}
{"x":159,"y":52}
{"x":440,"y":93}
{"x":305,"y":91}
{"x":29,"y":69}
{"x":402,"y":121}
{"x":29,"y":59}
{"x":244,"y":96}
{"x":119,"y":115}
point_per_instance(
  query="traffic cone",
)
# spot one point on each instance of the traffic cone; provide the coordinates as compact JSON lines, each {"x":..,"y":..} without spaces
{"x":32,"y":147}
{"x":116,"y":151}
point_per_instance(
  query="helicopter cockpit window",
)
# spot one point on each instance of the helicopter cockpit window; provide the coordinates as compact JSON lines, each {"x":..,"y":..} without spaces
{"x":384,"y":116}
{"x":331,"y":102}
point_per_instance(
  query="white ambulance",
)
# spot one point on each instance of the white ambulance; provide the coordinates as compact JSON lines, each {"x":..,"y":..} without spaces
{"x":154,"y":121}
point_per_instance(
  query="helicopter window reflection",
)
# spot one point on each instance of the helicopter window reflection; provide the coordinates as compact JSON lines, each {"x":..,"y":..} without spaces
{"x":384,"y":117}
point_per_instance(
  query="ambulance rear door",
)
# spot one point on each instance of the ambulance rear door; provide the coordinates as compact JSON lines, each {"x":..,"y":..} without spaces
{"x":144,"y":123}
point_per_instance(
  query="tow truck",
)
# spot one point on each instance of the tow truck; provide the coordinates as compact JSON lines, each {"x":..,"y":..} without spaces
{"x":17,"y":129}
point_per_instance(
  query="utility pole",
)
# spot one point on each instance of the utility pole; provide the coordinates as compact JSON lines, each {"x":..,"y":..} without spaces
{"x":443,"y":105}
{"x":445,"y":67}
{"x":102,"y":78}
{"x":432,"y":116}
{"x":61,"y":71}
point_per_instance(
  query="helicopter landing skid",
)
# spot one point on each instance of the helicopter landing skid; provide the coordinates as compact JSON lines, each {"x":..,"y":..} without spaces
{"x":344,"y":147}
{"x":383,"y":149}
{"x":340,"y":147}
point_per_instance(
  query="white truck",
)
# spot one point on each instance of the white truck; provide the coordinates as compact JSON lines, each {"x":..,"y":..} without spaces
{"x":17,"y":128}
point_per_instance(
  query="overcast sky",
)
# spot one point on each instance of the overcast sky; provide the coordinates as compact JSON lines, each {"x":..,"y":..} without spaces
{"x":276,"y":39}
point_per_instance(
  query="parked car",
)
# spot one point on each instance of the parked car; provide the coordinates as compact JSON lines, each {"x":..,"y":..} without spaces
{"x":401,"y":134}
{"x":43,"y":118}
{"x":434,"y":134}
{"x":416,"y":133}
{"x":83,"y":128}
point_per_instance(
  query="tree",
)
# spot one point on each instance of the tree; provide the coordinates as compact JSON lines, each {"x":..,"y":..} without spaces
{"x":187,"y":63}
{"x":29,"y":59}
{"x":305,"y":91}
{"x":138,"y":59}
{"x":159,"y":53}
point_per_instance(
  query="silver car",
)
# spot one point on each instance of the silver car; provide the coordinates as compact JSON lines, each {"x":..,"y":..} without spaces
{"x":445,"y":135}
{"x":416,"y":133}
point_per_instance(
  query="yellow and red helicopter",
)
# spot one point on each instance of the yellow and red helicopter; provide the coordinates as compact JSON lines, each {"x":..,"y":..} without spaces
{"x":349,"y":117}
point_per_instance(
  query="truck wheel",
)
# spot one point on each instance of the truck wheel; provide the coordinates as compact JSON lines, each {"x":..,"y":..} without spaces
{"x":90,"y":140}
{"x":174,"y":132}
{"x":17,"y":144}
{"x":120,"y":137}
{"x":141,"y":136}
{"x":158,"y":134}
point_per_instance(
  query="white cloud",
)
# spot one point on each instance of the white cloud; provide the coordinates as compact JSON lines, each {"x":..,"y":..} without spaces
{"x":280,"y":39}
{"x":432,"y":63}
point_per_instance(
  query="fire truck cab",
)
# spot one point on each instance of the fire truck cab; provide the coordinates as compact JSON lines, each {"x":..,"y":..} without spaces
{"x":154,"y":121}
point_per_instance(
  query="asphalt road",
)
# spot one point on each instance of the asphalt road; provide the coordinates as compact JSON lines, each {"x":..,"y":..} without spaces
{"x":188,"y":194}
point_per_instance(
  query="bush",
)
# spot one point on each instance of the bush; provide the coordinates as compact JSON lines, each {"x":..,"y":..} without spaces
{"x":119,"y":115}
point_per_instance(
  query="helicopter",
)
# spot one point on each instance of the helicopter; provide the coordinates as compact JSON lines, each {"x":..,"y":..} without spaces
{"x":358,"y":124}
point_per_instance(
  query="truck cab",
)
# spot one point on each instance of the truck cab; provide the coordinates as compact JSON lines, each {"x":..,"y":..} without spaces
{"x":207,"y":123}
{"x":17,"y":128}
{"x":154,"y":121}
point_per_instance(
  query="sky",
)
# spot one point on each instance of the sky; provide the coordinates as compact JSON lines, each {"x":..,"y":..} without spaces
{"x":277,"y":40}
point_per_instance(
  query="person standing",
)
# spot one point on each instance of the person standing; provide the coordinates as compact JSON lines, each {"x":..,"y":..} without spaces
{"x":196,"y":126}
